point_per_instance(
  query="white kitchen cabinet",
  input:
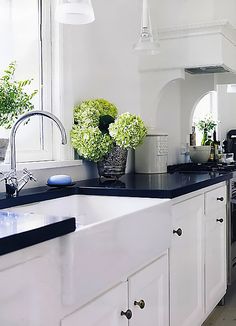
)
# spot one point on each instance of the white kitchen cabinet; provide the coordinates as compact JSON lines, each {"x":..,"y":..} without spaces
{"x":215,"y":254}
{"x":143,"y":298}
{"x":186,"y":263}
{"x":149,"y":295}
{"x":27,"y":295}
{"x":197,"y":256}
{"x":103,"y":311}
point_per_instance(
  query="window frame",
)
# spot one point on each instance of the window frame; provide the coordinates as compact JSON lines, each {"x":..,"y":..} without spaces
{"x":51,"y":152}
{"x":44,"y":153}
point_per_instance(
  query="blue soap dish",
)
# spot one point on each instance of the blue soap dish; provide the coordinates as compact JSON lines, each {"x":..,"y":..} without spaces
{"x":60,"y":180}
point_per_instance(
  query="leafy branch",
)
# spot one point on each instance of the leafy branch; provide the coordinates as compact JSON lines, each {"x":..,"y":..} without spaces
{"x":208,"y":124}
{"x":14,"y":100}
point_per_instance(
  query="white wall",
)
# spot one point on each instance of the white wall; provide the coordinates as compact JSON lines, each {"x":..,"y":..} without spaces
{"x":171,"y":13}
{"x":168,"y":117}
{"x":99,"y":62}
{"x":226,"y":110}
{"x":99,"y":56}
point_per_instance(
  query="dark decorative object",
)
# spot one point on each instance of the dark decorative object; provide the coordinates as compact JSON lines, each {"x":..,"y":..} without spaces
{"x":114,"y":163}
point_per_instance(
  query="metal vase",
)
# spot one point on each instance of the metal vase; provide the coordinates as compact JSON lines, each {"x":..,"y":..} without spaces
{"x":114,"y":163}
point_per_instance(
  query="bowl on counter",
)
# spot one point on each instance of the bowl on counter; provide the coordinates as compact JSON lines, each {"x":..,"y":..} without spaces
{"x":199,"y":154}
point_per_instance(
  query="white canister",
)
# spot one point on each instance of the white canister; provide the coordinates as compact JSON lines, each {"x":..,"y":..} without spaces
{"x":151,"y":156}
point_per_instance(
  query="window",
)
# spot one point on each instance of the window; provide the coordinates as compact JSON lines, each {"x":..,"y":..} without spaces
{"x":205,"y":107}
{"x":26,"y":38}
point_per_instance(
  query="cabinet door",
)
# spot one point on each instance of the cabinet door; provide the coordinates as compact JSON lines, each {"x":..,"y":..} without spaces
{"x":103,"y":311}
{"x":186,"y":263}
{"x":149,"y":287}
{"x":215,"y":261}
{"x":27,"y":292}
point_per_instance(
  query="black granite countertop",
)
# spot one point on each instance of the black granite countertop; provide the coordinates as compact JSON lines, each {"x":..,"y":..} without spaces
{"x":166,"y":185}
{"x":20,"y":231}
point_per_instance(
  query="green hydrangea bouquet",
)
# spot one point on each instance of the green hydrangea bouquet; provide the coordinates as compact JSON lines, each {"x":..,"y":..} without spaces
{"x":98,"y":129}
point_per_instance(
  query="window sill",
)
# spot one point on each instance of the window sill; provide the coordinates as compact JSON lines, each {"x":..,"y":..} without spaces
{"x":41,"y":165}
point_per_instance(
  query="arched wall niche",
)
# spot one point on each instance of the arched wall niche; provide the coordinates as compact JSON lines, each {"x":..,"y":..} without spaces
{"x":175,"y":104}
{"x":152,"y":85}
{"x":168,"y":99}
{"x":160,"y":104}
{"x":206,"y":106}
{"x":195,"y":107}
{"x":193,"y":89}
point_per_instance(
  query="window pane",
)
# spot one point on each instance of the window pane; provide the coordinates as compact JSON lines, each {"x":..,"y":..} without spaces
{"x":20,"y":42}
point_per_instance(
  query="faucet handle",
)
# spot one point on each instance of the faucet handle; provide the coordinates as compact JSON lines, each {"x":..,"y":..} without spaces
{"x":8,"y":175}
{"x":29,"y":174}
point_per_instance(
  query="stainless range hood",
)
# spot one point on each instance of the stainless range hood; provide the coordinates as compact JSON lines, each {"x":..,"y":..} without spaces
{"x":206,"y":70}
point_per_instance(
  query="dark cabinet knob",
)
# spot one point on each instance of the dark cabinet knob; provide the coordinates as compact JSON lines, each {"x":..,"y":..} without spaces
{"x":220,"y":198}
{"x":140,"y":303}
{"x":220,"y":220}
{"x":178,"y":232}
{"x":127,"y":314}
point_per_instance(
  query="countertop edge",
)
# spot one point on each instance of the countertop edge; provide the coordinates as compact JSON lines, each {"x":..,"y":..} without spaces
{"x":152,"y":193}
{"x":35,"y":236}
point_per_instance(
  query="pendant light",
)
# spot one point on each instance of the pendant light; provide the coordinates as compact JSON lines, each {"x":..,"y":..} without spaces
{"x":146,"y":42}
{"x":75,"y":12}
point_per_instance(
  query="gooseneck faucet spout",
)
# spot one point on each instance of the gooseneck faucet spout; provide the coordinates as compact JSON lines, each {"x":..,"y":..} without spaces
{"x":25,"y":117}
{"x":13,"y":184}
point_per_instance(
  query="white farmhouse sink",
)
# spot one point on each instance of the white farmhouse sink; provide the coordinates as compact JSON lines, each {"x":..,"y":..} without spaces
{"x":115,"y":237}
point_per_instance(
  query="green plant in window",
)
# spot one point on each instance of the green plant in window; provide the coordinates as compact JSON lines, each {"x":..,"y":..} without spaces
{"x":14,"y":99}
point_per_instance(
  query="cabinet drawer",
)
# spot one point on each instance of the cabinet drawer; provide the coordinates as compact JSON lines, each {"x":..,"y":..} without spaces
{"x":215,"y":199}
{"x":103,"y":311}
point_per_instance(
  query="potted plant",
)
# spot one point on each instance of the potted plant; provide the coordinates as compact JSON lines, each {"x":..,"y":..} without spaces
{"x":100,"y":135}
{"x":206,"y":125}
{"x":201,"y":154}
{"x":14,"y":101}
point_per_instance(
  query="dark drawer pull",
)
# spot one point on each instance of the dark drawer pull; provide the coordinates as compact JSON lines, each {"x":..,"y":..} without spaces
{"x":220,"y":198}
{"x":178,"y":232}
{"x":127,"y":314}
{"x":140,"y":303}
{"x":220,"y":220}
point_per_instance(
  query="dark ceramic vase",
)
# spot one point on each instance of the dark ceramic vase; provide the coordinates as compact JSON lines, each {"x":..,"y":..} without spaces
{"x":114,"y":163}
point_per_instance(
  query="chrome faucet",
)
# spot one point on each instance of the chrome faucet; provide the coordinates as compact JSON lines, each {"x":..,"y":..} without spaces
{"x":13,"y":184}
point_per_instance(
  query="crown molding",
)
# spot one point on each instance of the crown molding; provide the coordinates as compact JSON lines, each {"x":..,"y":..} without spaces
{"x":222,"y":27}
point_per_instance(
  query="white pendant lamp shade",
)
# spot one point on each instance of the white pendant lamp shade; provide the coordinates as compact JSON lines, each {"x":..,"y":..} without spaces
{"x":75,"y":12}
{"x":146,"y":42}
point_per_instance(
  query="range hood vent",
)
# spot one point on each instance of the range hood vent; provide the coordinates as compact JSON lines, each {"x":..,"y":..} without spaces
{"x":204,"y":48}
{"x":206,"y":70}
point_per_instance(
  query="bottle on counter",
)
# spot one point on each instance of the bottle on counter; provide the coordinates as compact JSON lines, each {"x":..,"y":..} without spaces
{"x":209,"y":142}
{"x":216,"y":145}
{"x":205,"y":137}
{"x":193,"y":137}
